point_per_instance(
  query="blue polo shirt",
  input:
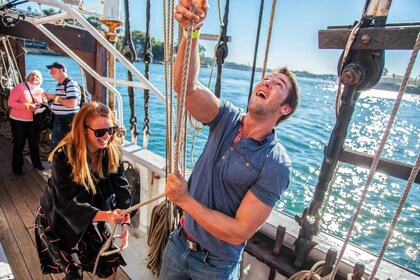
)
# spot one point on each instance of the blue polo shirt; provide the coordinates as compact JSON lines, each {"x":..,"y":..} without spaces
{"x":225,"y":172}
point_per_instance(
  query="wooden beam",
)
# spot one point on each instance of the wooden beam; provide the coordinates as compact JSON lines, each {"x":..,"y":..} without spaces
{"x":374,"y":38}
{"x":390,"y":167}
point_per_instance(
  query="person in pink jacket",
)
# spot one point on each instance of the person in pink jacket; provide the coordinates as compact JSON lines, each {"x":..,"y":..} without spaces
{"x":24,"y":101}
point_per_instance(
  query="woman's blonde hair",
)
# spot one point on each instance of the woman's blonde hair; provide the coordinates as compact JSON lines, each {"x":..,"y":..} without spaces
{"x":74,"y":145}
{"x":37,"y":73}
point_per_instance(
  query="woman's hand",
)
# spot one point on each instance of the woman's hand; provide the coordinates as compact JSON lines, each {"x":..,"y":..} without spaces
{"x":34,"y":106}
{"x":183,"y":15}
{"x":114,"y":217}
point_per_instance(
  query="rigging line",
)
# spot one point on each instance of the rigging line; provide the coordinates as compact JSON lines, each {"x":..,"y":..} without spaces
{"x":130,"y":54}
{"x":346,"y":51}
{"x":181,"y":97}
{"x":218,"y":40}
{"x":108,"y":242}
{"x":413,"y":174}
{"x":256,"y":49}
{"x":380,"y":149}
{"x":171,"y":70}
{"x":270,"y":29}
{"x":147,"y":58}
{"x":11,"y":59}
{"x":410,"y":181}
{"x":222,"y":50}
{"x":167,"y":93}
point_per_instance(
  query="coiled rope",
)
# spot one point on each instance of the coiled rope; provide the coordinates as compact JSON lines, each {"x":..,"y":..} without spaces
{"x":313,"y":274}
{"x":161,"y":219}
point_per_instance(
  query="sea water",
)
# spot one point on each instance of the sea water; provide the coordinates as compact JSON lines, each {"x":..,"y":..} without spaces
{"x":305,"y":136}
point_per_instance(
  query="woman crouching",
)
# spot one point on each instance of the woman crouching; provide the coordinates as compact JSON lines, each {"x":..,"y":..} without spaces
{"x":87,"y":188}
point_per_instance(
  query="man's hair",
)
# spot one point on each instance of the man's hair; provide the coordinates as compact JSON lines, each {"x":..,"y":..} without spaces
{"x":294,"y":94}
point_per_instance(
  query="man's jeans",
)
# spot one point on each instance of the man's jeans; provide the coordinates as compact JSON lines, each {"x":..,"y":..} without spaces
{"x":61,"y":126}
{"x":181,"y":263}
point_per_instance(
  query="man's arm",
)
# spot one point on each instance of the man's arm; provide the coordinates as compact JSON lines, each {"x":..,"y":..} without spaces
{"x":251,"y":214}
{"x":200,"y":102}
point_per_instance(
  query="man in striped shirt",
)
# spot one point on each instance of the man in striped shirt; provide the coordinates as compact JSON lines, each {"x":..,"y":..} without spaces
{"x":65,"y":102}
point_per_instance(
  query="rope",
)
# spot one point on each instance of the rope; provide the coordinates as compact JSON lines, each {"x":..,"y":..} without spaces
{"x":270,"y":28}
{"x":162,"y":230}
{"x":380,"y":149}
{"x":413,"y":174}
{"x":167,"y":92}
{"x":130,"y":54}
{"x":181,"y":98}
{"x":147,"y":58}
{"x":161,"y":219}
{"x":313,"y":274}
{"x":107,"y":244}
{"x":11,"y":61}
{"x":256,"y":49}
{"x":410,"y":181}
{"x":347,"y":49}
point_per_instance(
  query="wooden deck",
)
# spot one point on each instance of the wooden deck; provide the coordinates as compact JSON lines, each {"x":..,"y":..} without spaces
{"x":19,"y":199}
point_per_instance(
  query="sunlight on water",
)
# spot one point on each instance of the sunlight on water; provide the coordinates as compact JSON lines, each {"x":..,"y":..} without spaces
{"x":305,"y":136}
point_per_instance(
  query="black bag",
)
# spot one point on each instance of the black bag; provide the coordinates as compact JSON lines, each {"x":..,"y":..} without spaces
{"x":47,"y":118}
{"x":44,"y":120}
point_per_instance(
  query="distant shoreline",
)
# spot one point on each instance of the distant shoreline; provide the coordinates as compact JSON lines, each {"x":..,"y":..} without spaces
{"x":42,"y":51}
{"x":380,"y":85}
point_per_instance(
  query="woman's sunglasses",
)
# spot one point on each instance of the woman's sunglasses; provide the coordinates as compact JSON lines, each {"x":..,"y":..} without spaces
{"x":101,"y":131}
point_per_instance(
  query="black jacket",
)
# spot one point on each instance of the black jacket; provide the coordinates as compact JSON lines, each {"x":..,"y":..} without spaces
{"x":70,"y":208}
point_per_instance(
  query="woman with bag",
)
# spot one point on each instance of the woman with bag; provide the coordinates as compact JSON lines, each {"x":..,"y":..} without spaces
{"x":24,"y":100}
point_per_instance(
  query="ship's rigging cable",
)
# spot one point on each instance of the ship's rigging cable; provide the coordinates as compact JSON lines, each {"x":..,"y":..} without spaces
{"x":410,"y":181}
{"x":130,"y":54}
{"x":162,"y":221}
{"x":379,"y":151}
{"x":147,"y":59}
{"x":256,"y":49}
{"x":346,"y":51}
{"x":221,"y":50}
{"x":270,"y":29}
{"x":11,"y":62}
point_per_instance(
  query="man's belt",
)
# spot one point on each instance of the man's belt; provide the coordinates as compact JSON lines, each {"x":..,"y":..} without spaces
{"x":194,"y":246}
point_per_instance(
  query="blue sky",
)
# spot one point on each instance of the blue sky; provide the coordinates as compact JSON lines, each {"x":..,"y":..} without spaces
{"x":295,"y":33}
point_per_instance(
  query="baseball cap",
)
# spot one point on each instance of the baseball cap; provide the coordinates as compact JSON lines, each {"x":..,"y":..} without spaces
{"x":57,"y":65}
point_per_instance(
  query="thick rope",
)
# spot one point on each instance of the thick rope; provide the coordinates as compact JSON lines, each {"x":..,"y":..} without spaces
{"x":270,"y":29}
{"x":107,"y":244}
{"x":379,"y":152}
{"x":161,"y":218}
{"x":159,"y":214}
{"x":147,"y":58}
{"x":313,"y":274}
{"x":181,"y":97}
{"x":410,"y":181}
